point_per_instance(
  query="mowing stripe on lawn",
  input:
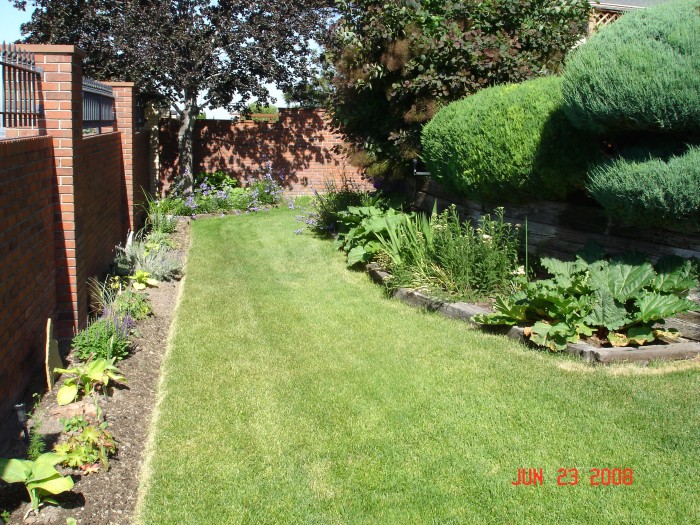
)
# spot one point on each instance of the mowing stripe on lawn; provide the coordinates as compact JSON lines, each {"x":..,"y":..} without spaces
{"x":295,"y":391}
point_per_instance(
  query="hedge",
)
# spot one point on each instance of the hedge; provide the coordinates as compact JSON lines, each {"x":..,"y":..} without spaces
{"x":508,"y":143}
{"x":651,"y":192}
{"x":640,"y":73}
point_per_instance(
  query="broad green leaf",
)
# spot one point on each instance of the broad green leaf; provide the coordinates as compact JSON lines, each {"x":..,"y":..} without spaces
{"x":152,"y":282}
{"x":674,"y":275}
{"x":654,"y":306}
{"x":15,"y":470}
{"x":606,"y":312}
{"x":48,"y":458}
{"x":640,"y":334}
{"x":356,"y":255}
{"x":138,"y":286}
{"x":559,"y":268}
{"x":53,"y":485}
{"x":623,"y":281}
{"x":511,"y":309}
{"x":67,"y":394}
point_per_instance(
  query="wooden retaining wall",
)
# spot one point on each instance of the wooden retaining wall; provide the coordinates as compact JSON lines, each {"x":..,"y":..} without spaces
{"x":560,"y":229}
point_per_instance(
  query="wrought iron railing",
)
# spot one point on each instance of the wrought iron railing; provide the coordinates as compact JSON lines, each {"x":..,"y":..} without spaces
{"x":98,"y":106}
{"x":19,"y":79}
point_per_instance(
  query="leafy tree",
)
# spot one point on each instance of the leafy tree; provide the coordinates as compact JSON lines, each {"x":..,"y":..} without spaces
{"x":395,"y":63}
{"x":193,"y":53}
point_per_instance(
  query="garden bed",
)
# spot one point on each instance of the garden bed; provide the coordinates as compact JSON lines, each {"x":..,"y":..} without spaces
{"x":109,"y":497}
{"x":683,"y":349}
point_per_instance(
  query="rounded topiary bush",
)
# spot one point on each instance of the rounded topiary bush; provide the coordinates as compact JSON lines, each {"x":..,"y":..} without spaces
{"x":652,"y":191}
{"x":641,"y":73}
{"x":508,"y":143}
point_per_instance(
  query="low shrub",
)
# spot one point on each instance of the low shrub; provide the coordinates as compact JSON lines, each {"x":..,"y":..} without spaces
{"x":328,"y":206}
{"x":651,"y":191}
{"x":106,"y":337}
{"x":508,"y":143}
{"x":163,"y":264}
{"x":639,"y":73}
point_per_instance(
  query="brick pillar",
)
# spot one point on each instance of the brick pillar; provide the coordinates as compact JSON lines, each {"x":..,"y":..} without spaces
{"x":124,"y":110}
{"x":61,"y":93}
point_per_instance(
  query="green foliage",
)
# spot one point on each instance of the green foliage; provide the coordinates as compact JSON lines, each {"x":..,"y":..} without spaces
{"x":218,"y":192}
{"x":508,"y":143}
{"x":395,"y":63}
{"x":619,"y":300}
{"x":37,"y":443}
{"x":217,"y":180}
{"x":87,"y":378}
{"x":142,"y":279}
{"x":447,"y":256}
{"x":106,"y":337}
{"x":133,"y":304}
{"x":40,"y":477}
{"x":650,"y":192}
{"x":162,"y":264}
{"x":361,"y":230}
{"x":639,"y":73}
{"x":158,"y":218}
{"x":85,"y":445}
{"x":328,"y":207}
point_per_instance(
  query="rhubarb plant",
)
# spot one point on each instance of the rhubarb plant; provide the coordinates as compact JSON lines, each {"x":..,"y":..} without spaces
{"x":622,"y":300}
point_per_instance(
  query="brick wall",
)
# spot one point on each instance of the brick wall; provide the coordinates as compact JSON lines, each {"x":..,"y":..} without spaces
{"x":27,"y":264}
{"x":301,"y":146}
{"x":65,"y":202}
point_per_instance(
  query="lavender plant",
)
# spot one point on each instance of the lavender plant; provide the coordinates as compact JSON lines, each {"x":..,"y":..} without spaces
{"x":106,"y":337}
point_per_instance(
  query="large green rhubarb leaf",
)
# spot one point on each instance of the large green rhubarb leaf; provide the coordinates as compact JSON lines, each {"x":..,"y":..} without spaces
{"x":606,"y":312}
{"x":623,"y":281}
{"x":654,"y":307}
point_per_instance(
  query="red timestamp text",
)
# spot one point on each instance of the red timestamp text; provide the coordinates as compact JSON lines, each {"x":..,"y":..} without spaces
{"x":570,"y":477}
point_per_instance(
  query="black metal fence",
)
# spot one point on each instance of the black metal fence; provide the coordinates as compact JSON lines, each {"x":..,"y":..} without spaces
{"x":98,"y":106}
{"x":19,"y":79}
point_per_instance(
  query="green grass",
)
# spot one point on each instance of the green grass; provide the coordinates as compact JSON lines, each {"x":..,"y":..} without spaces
{"x":296,"y":392}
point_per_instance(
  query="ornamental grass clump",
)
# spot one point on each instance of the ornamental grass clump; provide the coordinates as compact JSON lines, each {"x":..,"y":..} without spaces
{"x":449,"y":257}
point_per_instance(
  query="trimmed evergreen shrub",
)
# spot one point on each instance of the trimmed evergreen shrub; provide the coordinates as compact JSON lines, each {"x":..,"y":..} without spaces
{"x":651,"y":192}
{"x":507,"y":143}
{"x":642,"y":72}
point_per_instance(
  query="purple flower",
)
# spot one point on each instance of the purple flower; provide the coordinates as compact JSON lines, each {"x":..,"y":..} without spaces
{"x":299,"y":231}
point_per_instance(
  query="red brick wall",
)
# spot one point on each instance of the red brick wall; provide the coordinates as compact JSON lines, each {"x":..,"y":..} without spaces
{"x":65,"y":202}
{"x":301,"y":146}
{"x":27,"y":264}
{"x":101,"y":219}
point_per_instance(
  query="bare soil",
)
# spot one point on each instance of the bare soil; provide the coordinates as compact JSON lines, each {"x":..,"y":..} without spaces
{"x":107,"y":498}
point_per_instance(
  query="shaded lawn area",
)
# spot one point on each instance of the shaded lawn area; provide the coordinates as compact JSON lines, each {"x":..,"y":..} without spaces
{"x":296,"y":392}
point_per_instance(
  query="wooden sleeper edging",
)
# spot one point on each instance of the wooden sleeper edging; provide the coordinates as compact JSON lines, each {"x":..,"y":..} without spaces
{"x":594,"y":355}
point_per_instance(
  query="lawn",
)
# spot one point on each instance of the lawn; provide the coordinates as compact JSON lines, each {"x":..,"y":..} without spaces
{"x":295,"y":391}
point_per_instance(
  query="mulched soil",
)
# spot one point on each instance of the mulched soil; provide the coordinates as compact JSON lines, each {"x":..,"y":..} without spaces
{"x":108,"y":498}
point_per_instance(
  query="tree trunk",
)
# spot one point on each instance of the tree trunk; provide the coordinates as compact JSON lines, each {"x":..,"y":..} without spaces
{"x":185,"y":139}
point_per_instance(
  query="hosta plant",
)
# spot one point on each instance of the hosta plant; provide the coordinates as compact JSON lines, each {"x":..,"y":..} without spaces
{"x":622,"y":301}
{"x":40,"y":477}
{"x":87,"y":378}
{"x":85,"y":446}
{"x":142,"y":279}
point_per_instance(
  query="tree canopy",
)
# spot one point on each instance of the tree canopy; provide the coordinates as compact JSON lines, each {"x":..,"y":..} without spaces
{"x":395,"y":63}
{"x":195,"y":54}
